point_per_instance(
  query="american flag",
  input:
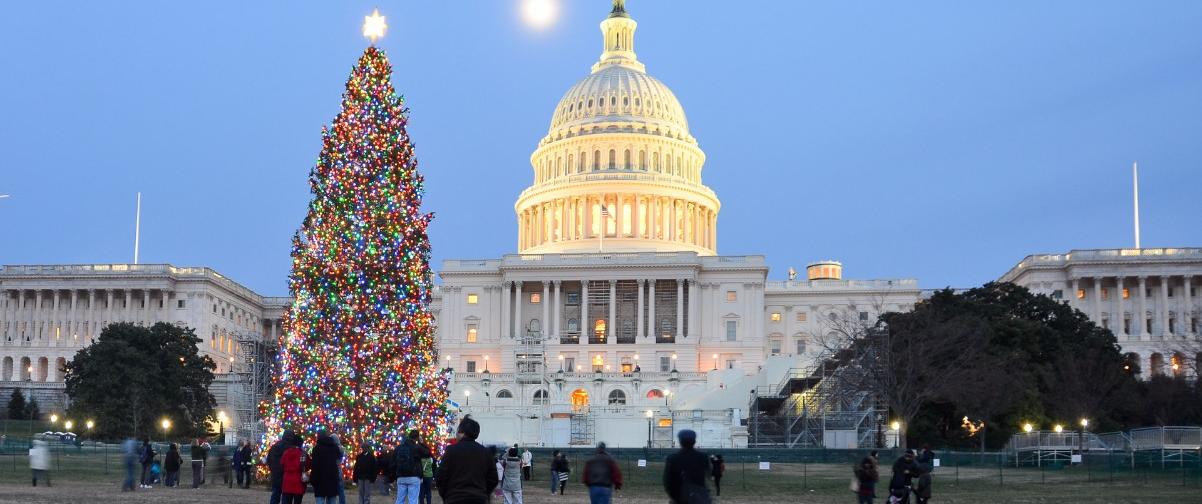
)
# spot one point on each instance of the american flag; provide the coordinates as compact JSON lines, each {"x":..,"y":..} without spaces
{"x":605,"y":211}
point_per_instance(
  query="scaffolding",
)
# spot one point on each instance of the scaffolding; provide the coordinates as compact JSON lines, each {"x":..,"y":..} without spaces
{"x":253,"y":369}
{"x":815,"y":407}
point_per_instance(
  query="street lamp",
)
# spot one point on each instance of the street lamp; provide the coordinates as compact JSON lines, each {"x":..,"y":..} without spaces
{"x":715,"y":362}
{"x":561,"y":362}
{"x":1027,"y":427}
{"x":467,"y":394}
{"x":166,"y":424}
{"x":67,"y":425}
{"x":485,"y":363}
{"x":1081,"y":436}
{"x":1058,"y":428}
{"x":649,"y":416}
{"x":673,"y":362}
{"x":221,"y":418}
{"x":89,"y":424}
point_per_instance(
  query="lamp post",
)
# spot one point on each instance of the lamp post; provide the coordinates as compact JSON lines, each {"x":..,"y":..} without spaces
{"x":485,"y":363}
{"x":221,"y":425}
{"x":89,"y":424}
{"x":715,"y":362}
{"x":29,"y":383}
{"x":560,"y":362}
{"x":1081,"y":438}
{"x":649,"y":417}
{"x":166,"y":425}
{"x":467,"y":395}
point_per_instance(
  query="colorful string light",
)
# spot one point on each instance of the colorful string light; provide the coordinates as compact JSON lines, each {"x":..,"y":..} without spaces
{"x":357,"y":354}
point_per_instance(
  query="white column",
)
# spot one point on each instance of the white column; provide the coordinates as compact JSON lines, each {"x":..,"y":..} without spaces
{"x":652,"y":325}
{"x":506,"y":299}
{"x":1187,"y":311}
{"x":546,"y":302}
{"x":1118,"y":298}
{"x":275,"y":329}
{"x":54,"y":326}
{"x":694,"y":317}
{"x":38,"y":320}
{"x":679,"y":309}
{"x":610,"y":330}
{"x":1164,"y":306}
{"x":73,"y":319}
{"x":92,"y":315}
{"x":588,"y":217}
{"x":638,"y":313}
{"x":586,"y":325}
{"x":127,"y":310}
{"x":1097,"y":300}
{"x":635,"y":229}
{"x":1143,"y":310}
{"x":1075,"y":302}
{"x":146,"y":307}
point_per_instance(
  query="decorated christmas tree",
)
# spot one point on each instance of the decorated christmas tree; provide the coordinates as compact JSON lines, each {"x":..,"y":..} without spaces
{"x":357,"y":355}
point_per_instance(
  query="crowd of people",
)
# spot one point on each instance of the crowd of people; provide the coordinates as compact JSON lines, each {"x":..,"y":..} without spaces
{"x":911,"y":476}
{"x":146,"y":468}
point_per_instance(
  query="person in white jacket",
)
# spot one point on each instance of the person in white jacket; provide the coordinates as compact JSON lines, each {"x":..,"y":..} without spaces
{"x":39,"y":461}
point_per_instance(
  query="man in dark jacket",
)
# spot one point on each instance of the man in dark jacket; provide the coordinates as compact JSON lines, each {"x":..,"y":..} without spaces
{"x":364,"y":473}
{"x":904,"y":470}
{"x":326,"y":475}
{"x":287,"y":440}
{"x":468,"y":473}
{"x":247,"y":454}
{"x":407,"y":464}
{"x":685,"y":472}
{"x":601,"y":476}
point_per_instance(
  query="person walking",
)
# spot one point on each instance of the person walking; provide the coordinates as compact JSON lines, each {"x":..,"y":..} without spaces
{"x":554,"y":471}
{"x":511,"y":479}
{"x":275,"y":466}
{"x":326,"y":475}
{"x":246,"y":454}
{"x":426,"y":496}
{"x":922,"y":489}
{"x":146,"y":458}
{"x":867,"y":474}
{"x":717,"y":470}
{"x":602,"y":476}
{"x":199,"y":452}
{"x":527,"y":464}
{"x":294,"y":471}
{"x":565,"y":471}
{"x":364,"y":472}
{"x":904,"y":470}
{"x":466,"y":474}
{"x":926,"y":457}
{"x":39,"y":461}
{"x":384,"y":465}
{"x":129,"y":449}
{"x":407,"y":464}
{"x":236,"y":463}
{"x":685,"y":472}
{"x":171,"y":464}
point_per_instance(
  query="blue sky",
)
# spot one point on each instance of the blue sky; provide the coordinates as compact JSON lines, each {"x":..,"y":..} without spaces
{"x":937,"y":140}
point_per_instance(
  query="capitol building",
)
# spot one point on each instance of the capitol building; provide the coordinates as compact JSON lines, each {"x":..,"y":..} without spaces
{"x":616,"y":319}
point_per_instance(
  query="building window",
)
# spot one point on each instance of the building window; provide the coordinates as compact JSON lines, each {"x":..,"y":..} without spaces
{"x":180,"y":303}
{"x":1057,"y":294}
{"x":612,"y":159}
{"x":665,"y":364}
{"x":471,"y":366}
{"x":471,"y":333}
{"x":732,"y":296}
{"x":1126,"y":325}
{"x":774,"y":348}
{"x":1105,"y":323}
{"x":598,"y":363}
{"x":1193,"y":324}
{"x":732,"y":330}
{"x":617,"y":397}
{"x":655,"y":394}
{"x":863,"y":316}
{"x":730,"y":363}
{"x":569,"y":363}
{"x":775,"y":316}
{"x":572,"y":298}
{"x":536,"y":298}
{"x":504,"y":394}
{"x":1126,"y":293}
{"x":1148,"y":326}
{"x":573,"y":325}
{"x":1105,"y":294}
{"x":801,"y":316}
{"x":540,"y":397}
{"x":599,"y":329}
{"x":1170,"y":292}
{"x":1080,"y":293}
{"x":801,"y":346}
{"x":1148,"y":292}
{"x":473,"y":299}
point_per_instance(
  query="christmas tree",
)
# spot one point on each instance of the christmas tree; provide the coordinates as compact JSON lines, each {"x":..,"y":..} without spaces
{"x":357,"y":355}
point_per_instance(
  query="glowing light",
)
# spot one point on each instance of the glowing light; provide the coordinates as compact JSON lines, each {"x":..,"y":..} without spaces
{"x":895,"y":425}
{"x":649,"y":414}
{"x":166,"y":424}
{"x":53,"y":418}
{"x":1027,"y":427}
{"x":539,"y":13}
{"x":374,"y":26}
{"x":89,"y":424}
{"x":1084,"y":422}
{"x":67,"y":425}
{"x":1058,"y":428}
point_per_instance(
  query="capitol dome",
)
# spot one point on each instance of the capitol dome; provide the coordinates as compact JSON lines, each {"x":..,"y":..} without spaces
{"x":618,"y":170}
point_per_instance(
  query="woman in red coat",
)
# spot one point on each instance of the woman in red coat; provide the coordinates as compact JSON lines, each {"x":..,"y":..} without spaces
{"x":293,"y":462}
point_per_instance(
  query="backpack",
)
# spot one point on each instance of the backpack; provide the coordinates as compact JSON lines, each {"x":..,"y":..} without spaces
{"x":599,"y":472}
{"x":405,"y":462}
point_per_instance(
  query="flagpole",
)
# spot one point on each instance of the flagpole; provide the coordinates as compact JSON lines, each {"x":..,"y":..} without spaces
{"x":1135,"y":190}
{"x":137,"y":228}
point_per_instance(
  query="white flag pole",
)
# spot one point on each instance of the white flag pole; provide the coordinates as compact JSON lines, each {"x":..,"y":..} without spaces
{"x":1135,"y":190}
{"x":137,"y":228}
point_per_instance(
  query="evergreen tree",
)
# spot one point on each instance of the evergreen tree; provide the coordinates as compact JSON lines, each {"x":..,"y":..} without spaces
{"x":357,"y":354}
{"x":31,"y":409}
{"x":16,"y":405}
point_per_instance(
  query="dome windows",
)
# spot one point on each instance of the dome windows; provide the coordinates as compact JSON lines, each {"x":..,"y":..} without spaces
{"x":596,"y":160}
{"x":612,"y":159}
{"x":637,"y":101}
{"x":590,"y":103}
{"x":613,"y":101}
{"x":625,"y":101}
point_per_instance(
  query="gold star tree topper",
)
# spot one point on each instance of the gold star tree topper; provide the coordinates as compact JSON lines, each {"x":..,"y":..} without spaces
{"x":374,"y":26}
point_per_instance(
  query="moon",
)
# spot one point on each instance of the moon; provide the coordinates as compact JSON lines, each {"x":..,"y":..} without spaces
{"x":539,"y":13}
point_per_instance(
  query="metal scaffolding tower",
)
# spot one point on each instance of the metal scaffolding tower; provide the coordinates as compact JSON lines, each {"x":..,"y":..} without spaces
{"x":253,"y":368}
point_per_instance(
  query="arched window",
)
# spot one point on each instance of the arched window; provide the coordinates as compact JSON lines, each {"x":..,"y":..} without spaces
{"x":612,"y":159}
{"x":540,"y":397}
{"x":580,"y":167}
{"x":573,"y":324}
{"x":643,"y":160}
{"x":617,"y":397}
{"x":596,"y":160}
{"x":504,"y":394}
{"x":571,"y":158}
{"x":534,"y":328}
{"x":590,"y":103}
{"x":1156,"y":363}
{"x":626,"y":160}
{"x":599,"y":329}
{"x":655,"y":161}
{"x":668,"y":161}
{"x":625,"y":101}
{"x":637,"y":101}
{"x":558,"y":166}
{"x":655,"y":394}
{"x":1131,"y":363}
{"x":579,"y":398}
{"x":613,"y":101}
